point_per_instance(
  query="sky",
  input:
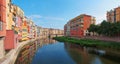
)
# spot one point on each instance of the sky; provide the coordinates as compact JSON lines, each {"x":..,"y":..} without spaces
{"x":56,"y":13}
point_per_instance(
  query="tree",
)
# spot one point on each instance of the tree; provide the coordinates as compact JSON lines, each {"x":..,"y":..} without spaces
{"x":117,"y":27}
{"x":106,"y":28}
{"x":93,"y":28}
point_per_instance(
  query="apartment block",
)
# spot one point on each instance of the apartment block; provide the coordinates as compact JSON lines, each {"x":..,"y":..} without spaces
{"x":113,"y":15}
{"x":67,"y":29}
{"x":117,"y":14}
{"x":77,"y":27}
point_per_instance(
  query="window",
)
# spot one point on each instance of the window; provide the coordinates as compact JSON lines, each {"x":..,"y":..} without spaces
{"x":1,"y":25}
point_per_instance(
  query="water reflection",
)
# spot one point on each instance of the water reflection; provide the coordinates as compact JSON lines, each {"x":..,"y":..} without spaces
{"x":48,"y":51}
{"x":86,"y":55}
{"x":28,"y":51}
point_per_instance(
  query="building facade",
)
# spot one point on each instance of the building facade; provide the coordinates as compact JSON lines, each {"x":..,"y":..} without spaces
{"x":2,"y":26}
{"x":117,"y":14}
{"x":19,"y":20}
{"x":15,"y":27}
{"x":2,"y":18}
{"x":67,"y":29}
{"x":77,"y":27}
{"x":12,"y":27}
{"x":113,"y":15}
{"x":25,"y":29}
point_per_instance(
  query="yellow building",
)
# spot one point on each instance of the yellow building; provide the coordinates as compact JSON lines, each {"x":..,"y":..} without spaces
{"x":9,"y":15}
{"x":93,"y":20}
{"x":24,"y":29}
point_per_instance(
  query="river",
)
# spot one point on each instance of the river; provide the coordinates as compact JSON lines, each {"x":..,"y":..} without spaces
{"x":54,"y":52}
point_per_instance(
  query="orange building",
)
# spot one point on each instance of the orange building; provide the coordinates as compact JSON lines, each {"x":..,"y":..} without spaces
{"x":117,"y":14}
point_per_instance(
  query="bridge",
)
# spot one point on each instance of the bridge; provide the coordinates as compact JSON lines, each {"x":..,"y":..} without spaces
{"x":54,"y":35}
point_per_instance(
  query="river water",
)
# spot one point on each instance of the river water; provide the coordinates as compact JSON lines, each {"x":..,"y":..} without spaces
{"x":47,"y":51}
{"x":67,"y":53}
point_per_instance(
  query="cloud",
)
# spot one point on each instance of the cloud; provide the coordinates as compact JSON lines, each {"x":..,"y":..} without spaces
{"x":53,"y":18}
{"x":35,"y":16}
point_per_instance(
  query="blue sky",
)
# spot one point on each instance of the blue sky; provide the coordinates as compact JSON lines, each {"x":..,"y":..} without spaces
{"x":56,"y":13}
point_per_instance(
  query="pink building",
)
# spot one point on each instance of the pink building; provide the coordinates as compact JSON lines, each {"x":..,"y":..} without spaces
{"x":19,"y":23}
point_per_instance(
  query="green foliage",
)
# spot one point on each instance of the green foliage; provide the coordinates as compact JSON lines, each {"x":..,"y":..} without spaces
{"x":89,"y":42}
{"x":106,"y":28}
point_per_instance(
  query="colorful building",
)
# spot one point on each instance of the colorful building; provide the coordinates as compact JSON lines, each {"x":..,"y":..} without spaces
{"x":19,"y":20}
{"x":15,"y":27}
{"x":2,"y":26}
{"x":36,"y":28}
{"x":11,"y":40}
{"x":25,"y":29}
{"x":33,"y":30}
{"x":30,"y":29}
{"x":38,"y":31}
{"x":77,"y":27}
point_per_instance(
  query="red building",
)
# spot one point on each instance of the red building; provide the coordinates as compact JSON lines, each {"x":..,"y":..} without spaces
{"x":2,"y":26}
{"x":2,"y":18}
{"x":79,"y":25}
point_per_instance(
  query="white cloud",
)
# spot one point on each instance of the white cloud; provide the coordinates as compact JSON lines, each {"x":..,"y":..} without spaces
{"x":53,"y":18}
{"x":35,"y":16}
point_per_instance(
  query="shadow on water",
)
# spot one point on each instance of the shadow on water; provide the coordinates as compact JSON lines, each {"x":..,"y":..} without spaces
{"x":48,"y":51}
